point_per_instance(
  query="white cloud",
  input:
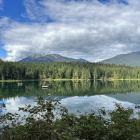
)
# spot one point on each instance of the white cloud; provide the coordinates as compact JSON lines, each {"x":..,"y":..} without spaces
{"x":90,"y":30}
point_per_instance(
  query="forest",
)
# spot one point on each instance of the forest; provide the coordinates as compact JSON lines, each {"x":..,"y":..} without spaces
{"x":64,"y":70}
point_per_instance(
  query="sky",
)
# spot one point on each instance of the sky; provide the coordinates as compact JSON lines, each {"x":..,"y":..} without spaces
{"x":90,"y":29}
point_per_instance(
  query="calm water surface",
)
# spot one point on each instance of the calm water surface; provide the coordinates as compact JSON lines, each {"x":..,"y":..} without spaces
{"x":83,"y":96}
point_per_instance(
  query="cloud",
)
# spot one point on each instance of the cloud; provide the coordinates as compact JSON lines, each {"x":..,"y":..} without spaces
{"x":68,"y":10}
{"x":80,"y":29}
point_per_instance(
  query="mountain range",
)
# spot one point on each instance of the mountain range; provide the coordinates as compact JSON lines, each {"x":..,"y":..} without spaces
{"x":50,"y":58}
{"x":130,"y":59}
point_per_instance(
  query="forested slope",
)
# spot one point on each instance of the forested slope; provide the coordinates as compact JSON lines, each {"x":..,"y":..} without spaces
{"x":25,"y":71}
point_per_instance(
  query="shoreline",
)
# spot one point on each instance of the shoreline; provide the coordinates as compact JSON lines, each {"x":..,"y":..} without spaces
{"x":35,"y":80}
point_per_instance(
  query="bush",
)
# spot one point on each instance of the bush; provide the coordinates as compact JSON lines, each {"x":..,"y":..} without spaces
{"x":48,"y":120}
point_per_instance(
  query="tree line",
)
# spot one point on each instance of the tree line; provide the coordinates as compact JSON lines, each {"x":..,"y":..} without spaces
{"x":64,"y":70}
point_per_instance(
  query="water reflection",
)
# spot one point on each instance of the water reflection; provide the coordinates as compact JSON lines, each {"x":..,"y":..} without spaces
{"x":90,"y":104}
{"x":84,"y":96}
{"x":75,"y":104}
{"x":2,"y":106}
{"x":68,"y":88}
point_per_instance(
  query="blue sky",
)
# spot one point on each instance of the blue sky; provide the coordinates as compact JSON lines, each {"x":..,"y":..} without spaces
{"x":92,"y":29}
{"x":13,"y":11}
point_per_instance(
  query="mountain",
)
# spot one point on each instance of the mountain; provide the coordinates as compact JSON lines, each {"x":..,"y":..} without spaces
{"x":130,"y":59}
{"x":50,"y":58}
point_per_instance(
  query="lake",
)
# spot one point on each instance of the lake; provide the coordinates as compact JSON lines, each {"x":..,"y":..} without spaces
{"x":83,"y":96}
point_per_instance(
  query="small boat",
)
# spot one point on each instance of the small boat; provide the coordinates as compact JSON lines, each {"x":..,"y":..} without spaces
{"x":45,"y":86}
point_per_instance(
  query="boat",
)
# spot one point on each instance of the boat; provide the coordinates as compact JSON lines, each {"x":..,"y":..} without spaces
{"x":45,"y":86}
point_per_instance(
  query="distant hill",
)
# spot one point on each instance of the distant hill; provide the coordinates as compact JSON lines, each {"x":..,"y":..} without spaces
{"x":130,"y":59}
{"x":50,"y":58}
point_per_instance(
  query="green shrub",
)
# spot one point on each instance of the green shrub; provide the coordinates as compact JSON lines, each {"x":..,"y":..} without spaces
{"x":48,"y":120}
